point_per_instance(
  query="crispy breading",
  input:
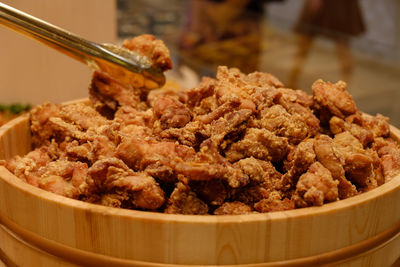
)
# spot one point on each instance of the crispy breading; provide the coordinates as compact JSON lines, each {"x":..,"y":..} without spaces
{"x":112,"y":175}
{"x":258,"y":143}
{"x":171,"y":113}
{"x":332,"y":159}
{"x":184,"y":201}
{"x":274,"y":202}
{"x":316,"y":186}
{"x":333,"y":99}
{"x":235,"y":144}
{"x":151,"y":47}
{"x":233,"y":208}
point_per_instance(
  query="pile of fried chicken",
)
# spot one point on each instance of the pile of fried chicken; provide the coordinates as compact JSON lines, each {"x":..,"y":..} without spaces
{"x":235,"y":144}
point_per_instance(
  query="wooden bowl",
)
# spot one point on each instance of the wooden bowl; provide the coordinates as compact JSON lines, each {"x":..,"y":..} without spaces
{"x":39,"y":228}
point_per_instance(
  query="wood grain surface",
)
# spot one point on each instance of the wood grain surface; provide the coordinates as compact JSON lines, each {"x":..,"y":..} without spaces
{"x":360,"y":231}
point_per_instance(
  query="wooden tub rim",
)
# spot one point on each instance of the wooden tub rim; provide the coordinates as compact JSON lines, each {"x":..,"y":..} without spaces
{"x":333,"y":207}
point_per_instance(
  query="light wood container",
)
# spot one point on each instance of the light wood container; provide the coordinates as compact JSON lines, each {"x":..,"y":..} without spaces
{"x":39,"y":228}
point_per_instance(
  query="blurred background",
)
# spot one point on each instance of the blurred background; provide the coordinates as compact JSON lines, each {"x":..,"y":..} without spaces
{"x":299,"y":41}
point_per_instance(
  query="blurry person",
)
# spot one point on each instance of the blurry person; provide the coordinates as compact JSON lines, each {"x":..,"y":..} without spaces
{"x":222,"y":32}
{"x":338,"y":20}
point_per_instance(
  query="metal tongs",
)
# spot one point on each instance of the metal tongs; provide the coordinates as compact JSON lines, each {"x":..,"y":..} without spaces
{"x":127,"y":66}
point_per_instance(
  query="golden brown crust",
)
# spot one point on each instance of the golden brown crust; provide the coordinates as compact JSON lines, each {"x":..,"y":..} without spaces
{"x":151,"y":47}
{"x":233,"y":145}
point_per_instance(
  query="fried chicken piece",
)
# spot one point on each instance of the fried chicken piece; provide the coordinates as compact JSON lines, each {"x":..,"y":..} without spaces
{"x":165,"y":160}
{"x":151,"y":53}
{"x":112,"y":174}
{"x":56,"y":128}
{"x":228,"y":124}
{"x":262,"y":79}
{"x":363,"y":126}
{"x":127,"y":115}
{"x":107,"y":94}
{"x":68,"y":124}
{"x":82,"y":115}
{"x":209,"y":164}
{"x":104,"y":141}
{"x":200,"y":171}
{"x":58,"y":185}
{"x":196,"y":132}
{"x":61,"y":168}
{"x":259,"y":171}
{"x":102,"y":147}
{"x":220,"y":111}
{"x":62,"y":130}
{"x":154,"y":49}
{"x":192,"y":134}
{"x":378,"y":125}
{"x":258,"y":143}
{"x":161,"y":172}
{"x":41,"y":127}
{"x":74,"y":151}
{"x":98,"y":172}
{"x":184,"y":201}
{"x":139,"y":153}
{"x":280,"y":122}
{"x":264,"y":179}
{"x":63,"y":177}
{"x":206,"y":106}
{"x":297,"y":102}
{"x":274,"y":202}
{"x":177,"y":93}
{"x":26,"y":167}
{"x":338,"y":125}
{"x":332,"y":99}
{"x":113,"y":200}
{"x":145,"y":193}
{"x":330,"y":157}
{"x":230,"y":83}
{"x":171,"y":113}
{"x":265,"y":97}
{"x":328,"y":154}
{"x":233,"y":208}
{"x":213,"y":192}
{"x":92,"y":145}
{"x":297,"y":162}
{"x":233,"y":88}
{"x":205,"y":90}
{"x":251,"y":194}
{"x":390,"y":165}
{"x":389,"y":153}
{"x":203,"y":171}
{"x":135,"y":131}
{"x":296,"y":96}
{"x":316,"y":187}
{"x":358,"y":163}
{"x":207,"y":170}
{"x":379,"y":176}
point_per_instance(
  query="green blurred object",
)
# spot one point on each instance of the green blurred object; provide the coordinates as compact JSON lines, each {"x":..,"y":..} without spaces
{"x":15,"y":108}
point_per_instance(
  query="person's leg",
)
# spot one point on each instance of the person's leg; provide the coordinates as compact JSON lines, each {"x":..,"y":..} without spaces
{"x":346,"y":59}
{"x":304,"y":44}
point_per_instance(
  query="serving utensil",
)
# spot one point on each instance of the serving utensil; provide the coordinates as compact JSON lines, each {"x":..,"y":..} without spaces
{"x":127,"y":66}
